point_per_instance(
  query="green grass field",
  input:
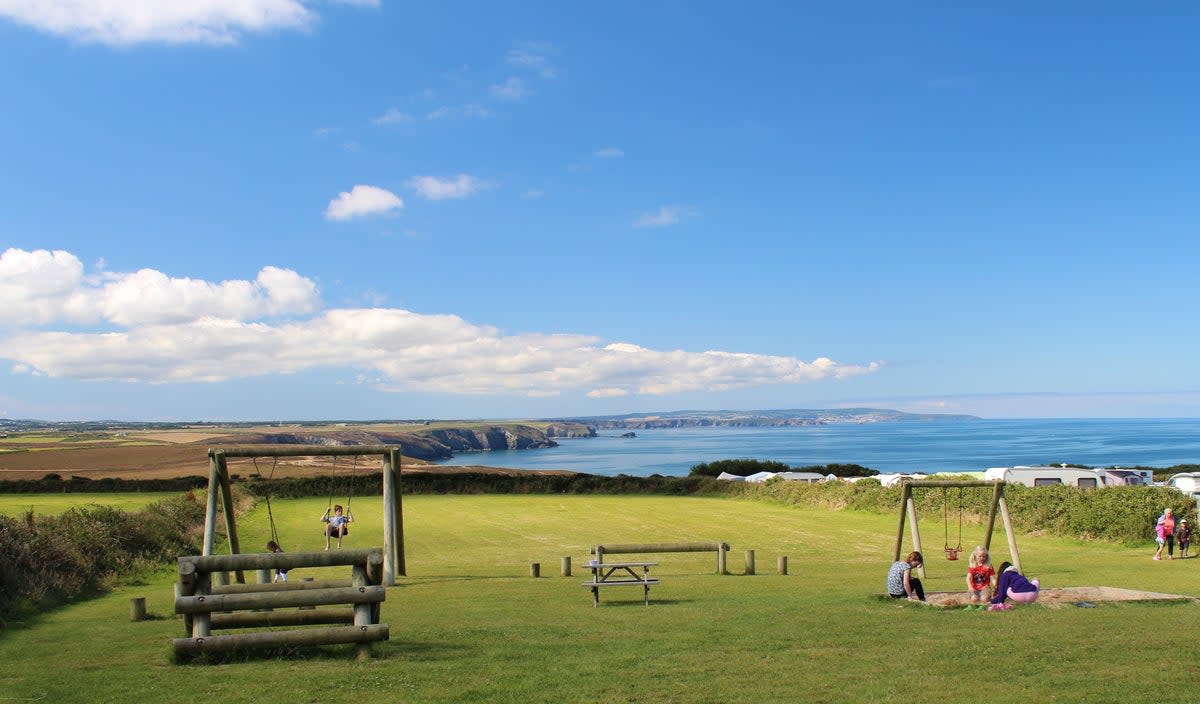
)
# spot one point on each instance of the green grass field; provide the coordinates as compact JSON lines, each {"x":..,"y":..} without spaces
{"x":16,"y":505}
{"x":469,"y":625}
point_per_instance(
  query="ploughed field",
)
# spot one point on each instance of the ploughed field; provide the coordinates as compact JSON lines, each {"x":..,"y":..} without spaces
{"x":468,"y":623}
{"x":165,"y":454}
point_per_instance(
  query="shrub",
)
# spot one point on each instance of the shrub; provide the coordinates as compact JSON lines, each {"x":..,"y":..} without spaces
{"x":48,"y":560}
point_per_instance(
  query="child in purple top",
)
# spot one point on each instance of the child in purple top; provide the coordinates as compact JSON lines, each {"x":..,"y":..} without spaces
{"x":1013,"y":585}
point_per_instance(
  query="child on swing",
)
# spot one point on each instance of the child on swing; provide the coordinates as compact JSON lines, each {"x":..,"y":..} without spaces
{"x":979,"y":579}
{"x":336,"y":524}
{"x":281,"y":573}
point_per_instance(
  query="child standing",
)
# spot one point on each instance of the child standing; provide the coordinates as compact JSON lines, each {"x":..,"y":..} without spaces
{"x":1184,"y":535}
{"x":979,"y":578}
{"x":280,"y":574}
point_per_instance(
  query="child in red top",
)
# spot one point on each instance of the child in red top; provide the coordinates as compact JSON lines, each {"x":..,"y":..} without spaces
{"x":979,"y":578}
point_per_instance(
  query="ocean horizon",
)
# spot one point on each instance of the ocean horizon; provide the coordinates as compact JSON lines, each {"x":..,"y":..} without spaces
{"x":889,"y":447}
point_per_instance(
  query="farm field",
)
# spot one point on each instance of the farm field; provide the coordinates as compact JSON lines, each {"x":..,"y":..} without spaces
{"x":469,"y":625}
{"x":53,"y":504}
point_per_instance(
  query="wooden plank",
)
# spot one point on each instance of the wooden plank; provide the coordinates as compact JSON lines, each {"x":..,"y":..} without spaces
{"x":281,"y":639}
{"x":303,"y":450}
{"x":192,"y":564}
{"x":658,"y":547}
{"x":280,"y":586}
{"x":621,"y":583}
{"x":203,"y":604}
{"x":263,"y":619}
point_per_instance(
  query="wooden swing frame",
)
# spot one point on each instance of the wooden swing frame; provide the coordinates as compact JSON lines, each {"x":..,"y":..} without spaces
{"x":219,"y":487}
{"x":908,"y":509}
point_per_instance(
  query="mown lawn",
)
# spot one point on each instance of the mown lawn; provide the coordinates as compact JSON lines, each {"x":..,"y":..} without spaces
{"x":470,"y":625}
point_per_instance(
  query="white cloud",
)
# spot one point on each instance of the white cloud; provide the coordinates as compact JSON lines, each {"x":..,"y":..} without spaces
{"x":323,"y":131}
{"x":163,"y":329}
{"x":447,"y":112}
{"x":434,"y":188}
{"x":666,"y":216}
{"x":392,"y":117}
{"x":607,"y":393}
{"x":122,"y":22}
{"x":43,"y":287}
{"x":360,"y":201}
{"x":533,"y":194}
{"x":512,"y":89}
{"x":608,"y":153}
{"x":532,"y":56}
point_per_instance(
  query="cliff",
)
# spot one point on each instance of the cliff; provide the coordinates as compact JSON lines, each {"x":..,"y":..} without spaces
{"x":434,"y":443}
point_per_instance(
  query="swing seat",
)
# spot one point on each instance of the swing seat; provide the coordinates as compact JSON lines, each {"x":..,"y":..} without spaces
{"x":952,"y":553}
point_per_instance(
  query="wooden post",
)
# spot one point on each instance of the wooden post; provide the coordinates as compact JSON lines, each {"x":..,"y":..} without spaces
{"x":911,"y":507}
{"x":905,"y":493}
{"x":227,"y":506}
{"x":210,"y":509}
{"x":749,"y":562}
{"x":1008,"y":531}
{"x":783,"y":564}
{"x":137,"y":608}
{"x":564,"y":568}
{"x":389,"y":519}
{"x":997,"y":492}
{"x":362,"y":612}
{"x":398,"y":538}
{"x":721,"y":559}
{"x":535,"y":569}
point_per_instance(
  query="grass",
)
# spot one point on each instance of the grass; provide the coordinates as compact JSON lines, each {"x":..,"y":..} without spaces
{"x":469,"y":625}
{"x":16,"y":505}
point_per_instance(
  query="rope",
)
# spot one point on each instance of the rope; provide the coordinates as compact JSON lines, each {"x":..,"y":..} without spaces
{"x":350,"y":491}
{"x":270,"y":514}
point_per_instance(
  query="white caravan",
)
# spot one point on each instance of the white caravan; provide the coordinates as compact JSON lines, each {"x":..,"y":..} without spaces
{"x":1046,"y":476}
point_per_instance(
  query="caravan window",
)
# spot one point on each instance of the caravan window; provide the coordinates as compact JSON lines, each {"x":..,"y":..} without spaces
{"x":1044,"y":481}
{"x":1087,"y":483}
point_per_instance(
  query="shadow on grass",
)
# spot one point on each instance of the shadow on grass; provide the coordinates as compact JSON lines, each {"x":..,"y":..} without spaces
{"x":640,"y":604}
{"x":407,"y":650}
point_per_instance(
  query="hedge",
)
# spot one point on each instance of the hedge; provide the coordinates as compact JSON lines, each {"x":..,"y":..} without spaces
{"x":1121,"y":514}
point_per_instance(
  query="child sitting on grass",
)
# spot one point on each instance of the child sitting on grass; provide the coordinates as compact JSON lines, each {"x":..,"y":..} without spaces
{"x":979,"y":578}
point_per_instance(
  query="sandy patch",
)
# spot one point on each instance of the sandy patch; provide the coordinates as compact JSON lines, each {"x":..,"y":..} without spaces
{"x":1065,"y":596}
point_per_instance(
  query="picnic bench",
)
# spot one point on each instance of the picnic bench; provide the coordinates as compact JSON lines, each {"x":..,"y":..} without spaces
{"x":620,"y":574}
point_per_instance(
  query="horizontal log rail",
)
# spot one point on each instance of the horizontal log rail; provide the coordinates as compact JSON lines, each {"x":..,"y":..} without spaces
{"x":192,"y":564}
{"x":269,"y":619}
{"x":279,"y":586}
{"x":658,"y":547}
{"x":281,"y":639}
{"x":303,"y":450}
{"x":207,"y":603}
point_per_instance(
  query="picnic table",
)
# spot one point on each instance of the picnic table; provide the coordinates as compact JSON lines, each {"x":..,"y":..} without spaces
{"x":620,"y":574}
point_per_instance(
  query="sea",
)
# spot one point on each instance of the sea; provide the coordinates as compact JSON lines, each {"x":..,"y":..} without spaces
{"x":889,"y":447}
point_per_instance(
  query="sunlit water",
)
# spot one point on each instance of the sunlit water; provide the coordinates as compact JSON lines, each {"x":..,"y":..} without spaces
{"x":888,"y":447}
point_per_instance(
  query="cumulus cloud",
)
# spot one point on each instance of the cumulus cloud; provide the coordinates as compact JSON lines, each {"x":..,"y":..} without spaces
{"x":434,"y":188}
{"x":512,"y":89}
{"x":361,"y":201}
{"x":42,"y":287}
{"x":666,"y":216}
{"x":161,"y":329}
{"x":175,"y":22}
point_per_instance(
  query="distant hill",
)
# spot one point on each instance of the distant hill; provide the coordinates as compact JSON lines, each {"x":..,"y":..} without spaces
{"x":784,"y":417}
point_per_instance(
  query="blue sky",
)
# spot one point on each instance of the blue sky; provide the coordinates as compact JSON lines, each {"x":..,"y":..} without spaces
{"x":262,"y":209}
